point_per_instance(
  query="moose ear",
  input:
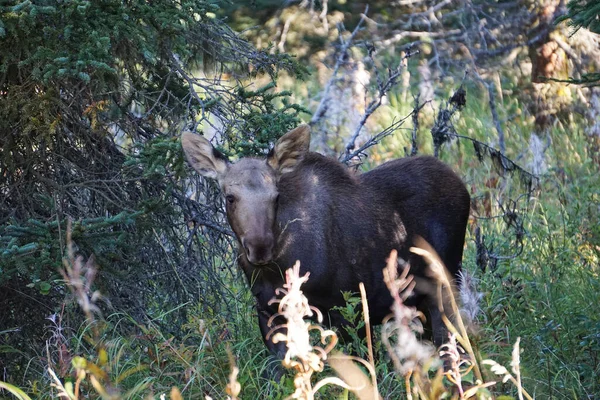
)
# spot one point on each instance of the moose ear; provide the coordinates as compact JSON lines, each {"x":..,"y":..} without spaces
{"x":290,"y":149}
{"x":202,"y":156}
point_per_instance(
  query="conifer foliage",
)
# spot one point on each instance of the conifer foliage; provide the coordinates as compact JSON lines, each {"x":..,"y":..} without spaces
{"x":584,"y":14}
{"x":93,"y":98}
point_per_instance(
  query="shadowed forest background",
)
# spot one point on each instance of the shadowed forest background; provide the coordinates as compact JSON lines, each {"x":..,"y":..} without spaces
{"x":94,"y":96}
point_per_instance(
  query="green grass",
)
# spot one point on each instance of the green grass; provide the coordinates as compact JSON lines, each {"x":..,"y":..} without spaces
{"x":549,"y":295}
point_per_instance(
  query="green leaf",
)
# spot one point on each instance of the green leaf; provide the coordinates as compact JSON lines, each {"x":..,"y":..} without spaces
{"x":45,"y":288}
{"x":15,"y":391}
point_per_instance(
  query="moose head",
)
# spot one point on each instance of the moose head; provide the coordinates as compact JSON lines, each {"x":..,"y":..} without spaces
{"x":250,"y":187}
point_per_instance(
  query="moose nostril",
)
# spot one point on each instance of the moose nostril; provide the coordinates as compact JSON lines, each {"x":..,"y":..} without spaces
{"x":259,"y":251}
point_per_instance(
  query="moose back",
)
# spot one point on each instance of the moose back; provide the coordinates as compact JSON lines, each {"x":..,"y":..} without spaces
{"x":300,"y":205}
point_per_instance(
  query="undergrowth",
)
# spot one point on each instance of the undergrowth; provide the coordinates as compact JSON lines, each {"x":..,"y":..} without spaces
{"x":98,"y":361}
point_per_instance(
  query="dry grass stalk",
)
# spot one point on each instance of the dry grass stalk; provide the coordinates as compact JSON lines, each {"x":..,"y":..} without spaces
{"x":409,"y":352}
{"x":346,"y":367}
{"x":454,"y":350}
{"x":365,"y":305}
{"x":458,"y":365}
{"x":515,"y":367}
{"x":302,"y":357}
{"x":233,"y":388}
{"x":79,"y":278}
{"x":445,"y":292}
{"x":63,"y":392}
{"x":365,"y":388}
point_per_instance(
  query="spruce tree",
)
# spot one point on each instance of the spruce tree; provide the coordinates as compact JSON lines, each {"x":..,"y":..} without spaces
{"x":93,"y":98}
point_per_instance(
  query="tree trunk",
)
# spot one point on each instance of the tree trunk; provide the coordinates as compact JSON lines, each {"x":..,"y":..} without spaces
{"x":549,"y":61}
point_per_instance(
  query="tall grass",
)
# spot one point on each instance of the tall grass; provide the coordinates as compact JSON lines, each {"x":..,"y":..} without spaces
{"x":150,"y":364}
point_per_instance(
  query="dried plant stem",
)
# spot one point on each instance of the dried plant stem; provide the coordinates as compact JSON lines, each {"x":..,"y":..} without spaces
{"x":365,"y":305}
{"x":499,"y":369}
{"x":383,"y":88}
{"x":501,"y":143}
{"x":233,"y":388}
{"x":515,"y":364}
{"x":440,"y":273}
{"x":345,"y":366}
{"x":301,"y":356}
{"x":63,"y":393}
{"x":341,"y":60}
{"x":407,"y":385}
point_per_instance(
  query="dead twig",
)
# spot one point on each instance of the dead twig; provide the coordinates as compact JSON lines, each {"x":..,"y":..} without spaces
{"x":383,"y":88}
{"x":341,"y":60}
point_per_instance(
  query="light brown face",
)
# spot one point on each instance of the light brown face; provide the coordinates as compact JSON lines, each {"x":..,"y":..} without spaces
{"x":250,"y":187}
{"x":250,"y":190}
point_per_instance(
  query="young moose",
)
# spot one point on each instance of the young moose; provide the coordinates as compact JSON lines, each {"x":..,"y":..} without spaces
{"x":300,"y":205}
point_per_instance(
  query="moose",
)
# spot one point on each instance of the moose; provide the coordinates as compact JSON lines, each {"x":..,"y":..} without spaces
{"x":301,"y":205}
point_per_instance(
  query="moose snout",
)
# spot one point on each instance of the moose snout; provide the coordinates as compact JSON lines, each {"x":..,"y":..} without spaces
{"x":259,"y":249}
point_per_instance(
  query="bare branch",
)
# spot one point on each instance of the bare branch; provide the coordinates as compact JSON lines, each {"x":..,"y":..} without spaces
{"x":360,"y":152}
{"x":414,"y":147}
{"x":497,"y":124}
{"x":341,"y":60}
{"x":383,"y":88}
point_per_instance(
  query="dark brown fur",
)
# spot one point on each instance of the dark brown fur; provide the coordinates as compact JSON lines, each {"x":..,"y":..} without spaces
{"x":342,"y":227}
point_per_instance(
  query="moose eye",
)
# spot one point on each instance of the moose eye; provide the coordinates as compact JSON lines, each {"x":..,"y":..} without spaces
{"x":230,"y":198}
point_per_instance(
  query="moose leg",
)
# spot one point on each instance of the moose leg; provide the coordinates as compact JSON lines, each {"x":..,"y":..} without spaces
{"x":275,"y":370}
{"x":438,"y":328}
{"x":278,"y":349}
